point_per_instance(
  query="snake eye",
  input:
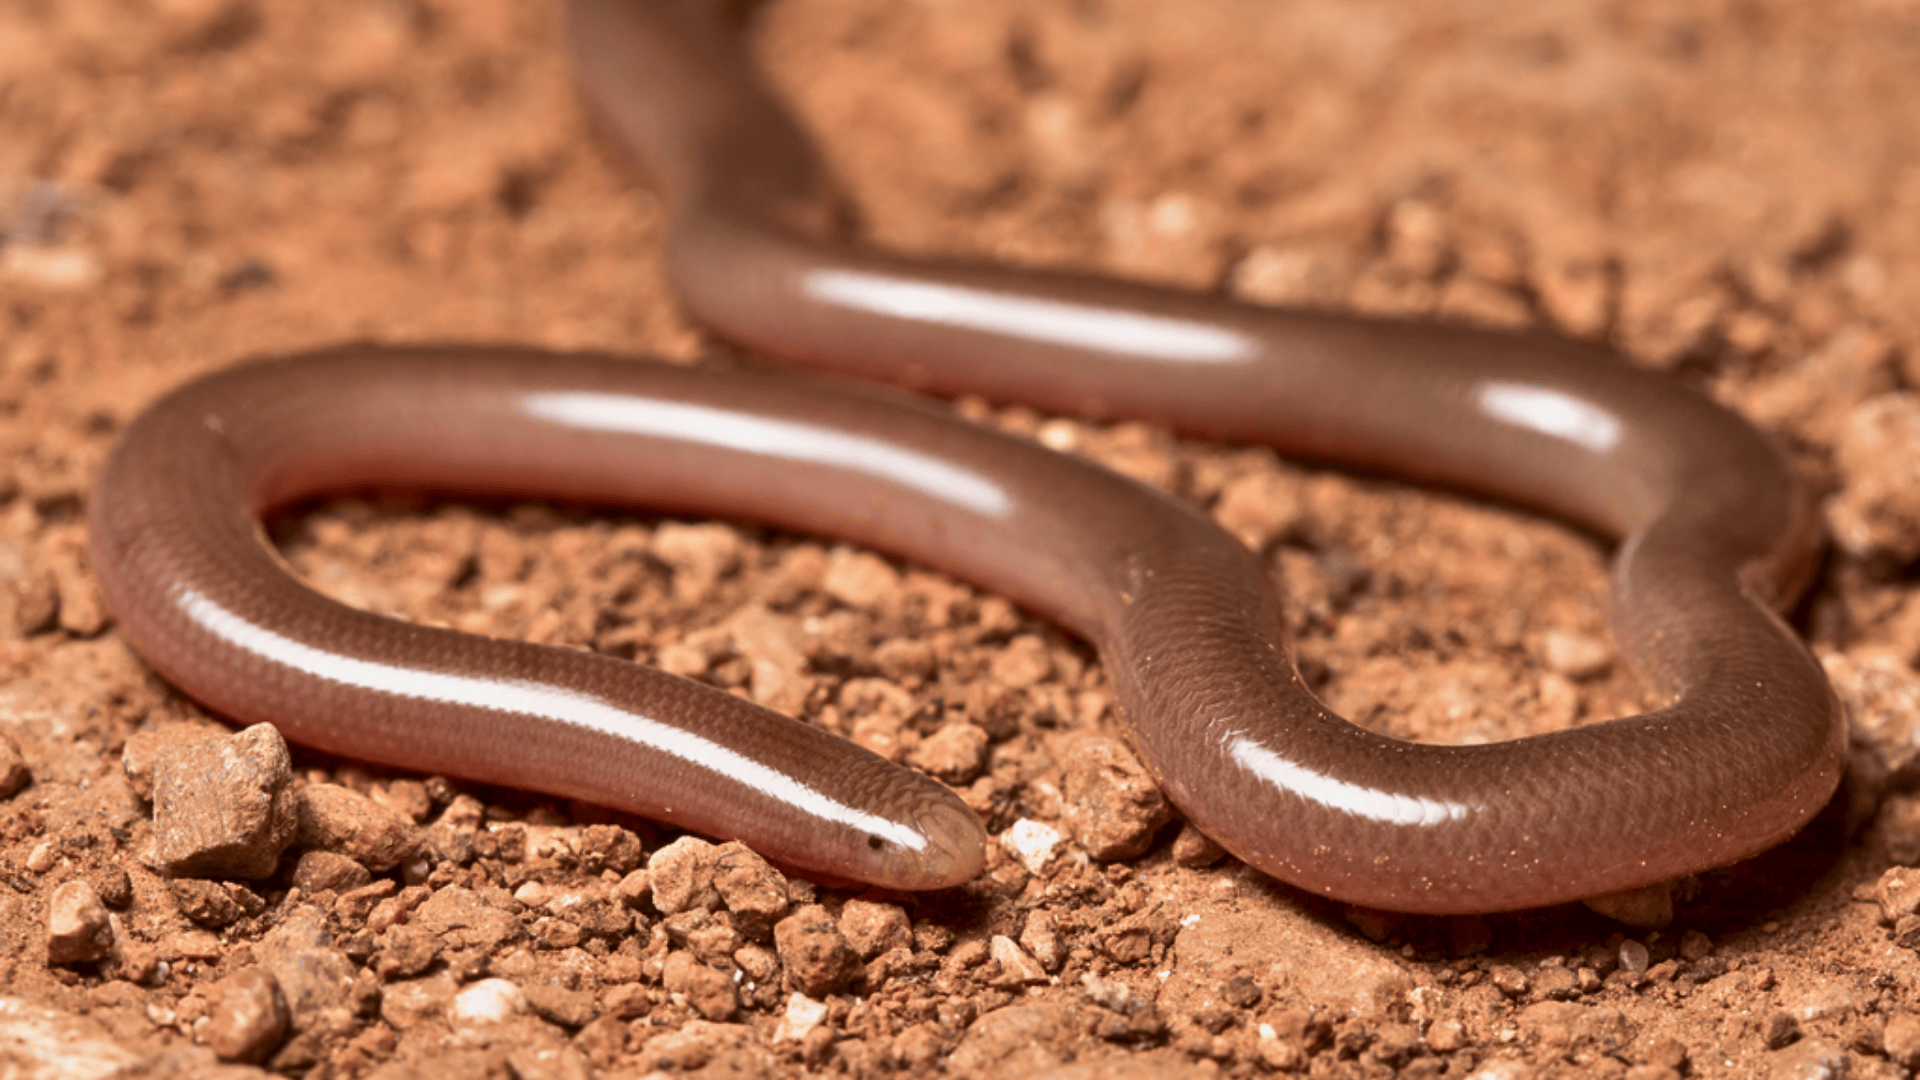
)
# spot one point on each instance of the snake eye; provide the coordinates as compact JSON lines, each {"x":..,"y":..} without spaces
{"x":874,"y":843}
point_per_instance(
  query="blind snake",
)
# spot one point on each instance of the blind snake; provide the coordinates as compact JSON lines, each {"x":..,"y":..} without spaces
{"x":1715,"y":533}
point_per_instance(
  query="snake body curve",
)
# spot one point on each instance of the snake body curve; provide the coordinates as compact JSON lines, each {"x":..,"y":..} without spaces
{"x":1715,"y":534}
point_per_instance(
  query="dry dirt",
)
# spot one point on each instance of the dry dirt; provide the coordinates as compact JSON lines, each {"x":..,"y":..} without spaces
{"x":1729,"y":192}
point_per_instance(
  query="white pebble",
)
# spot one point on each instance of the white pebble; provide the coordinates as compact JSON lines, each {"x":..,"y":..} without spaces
{"x":803,"y":1015}
{"x":1031,"y":842}
{"x":1575,"y":655}
{"x":50,"y":267}
{"x":489,"y":1001}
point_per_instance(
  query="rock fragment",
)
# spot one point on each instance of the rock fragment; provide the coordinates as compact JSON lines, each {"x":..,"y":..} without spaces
{"x":802,"y":1016}
{"x":816,"y":957}
{"x":38,"y":1043}
{"x":873,"y":928}
{"x":1901,"y":1039}
{"x":249,"y":1017}
{"x":78,"y":927}
{"x":463,"y":919}
{"x":700,"y":554}
{"x":413,"y":1002}
{"x":1112,"y":804}
{"x":751,"y":888}
{"x":1877,"y":511}
{"x":628,"y":1001}
{"x":343,"y":821}
{"x":609,"y":847}
{"x":564,"y":1006}
{"x":485,"y":1003}
{"x":710,"y":993}
{"x":681,"y":876}
{"x":1193,"y":848}
{"x":1809,"y":1059}
{"x":1898,"y":892}
{"x":329,"y":871}
{"x":409,"y":950}
{"x":1017,"y":969}
{"x":114,"y":886}
{"x":954,"y":754}
{"x":223,"y":807}
{"x":1575,"y":655}
{"x":1259,"y":508}
{"x":1033,"y":843}
{"x":1042,"y":941}
{"x":315,"y":978}
{"x":860,"y":579}
{"x":213,"y":904}
{"x":13,"y":768}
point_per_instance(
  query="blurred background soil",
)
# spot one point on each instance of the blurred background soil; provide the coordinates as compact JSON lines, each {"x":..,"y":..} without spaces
{"x":1726,"y":191}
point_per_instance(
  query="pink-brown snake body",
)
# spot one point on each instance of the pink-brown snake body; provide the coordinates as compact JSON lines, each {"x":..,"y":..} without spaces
{"x":1715,"y":534}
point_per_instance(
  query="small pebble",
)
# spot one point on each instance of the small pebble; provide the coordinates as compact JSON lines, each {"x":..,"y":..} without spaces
{"x":1898,"y":823}
{"x":489,"y":1001}
{"x":78,"y":927}
{"x":562,"y":1005}
{"x":343,"y":821}
{"x":1898,"y":892}
{"x":114,"y":886}
{"x":1017,"y":969}
{"x":710,"y":993}
{"x":1240,"y":991}
{"x":609,"y":847}
{"x":1509,"y":980}
{"x":634,"y":889}
{"x":214,"y":904}
{"x":1877,"y":510}
{"x":859,"y":579}
{"x":1446,"y":1036}
{"x":872,"y":928}
{"x":1023,"y":663}
{"x":816,"y":958}
{"x":953,"y":754}
{"x":1260,"y":508}
{"x":628,"y":1001}
{"x":224,"y":806}
{"x":802,"y":1016}
{"x":1779,"y":1029}
{"x":324,"y":871}
{"x":1901,"y":1039}
{"x":409,"y":951}
{"x":680,"y":876}
{"x":249,"y":1016}
{"x":1032,"y":843}
{"x":13,"y":768}
{"x":1633,"y":957}
{"x":1575,"y":655}
{"x":1041,"y":940}
{"x":700,"y":554}
{"x":1111,"y":802}
{"x":57,"y":269}
{"x":1193,"y":848}
{"x":751,"y":888}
